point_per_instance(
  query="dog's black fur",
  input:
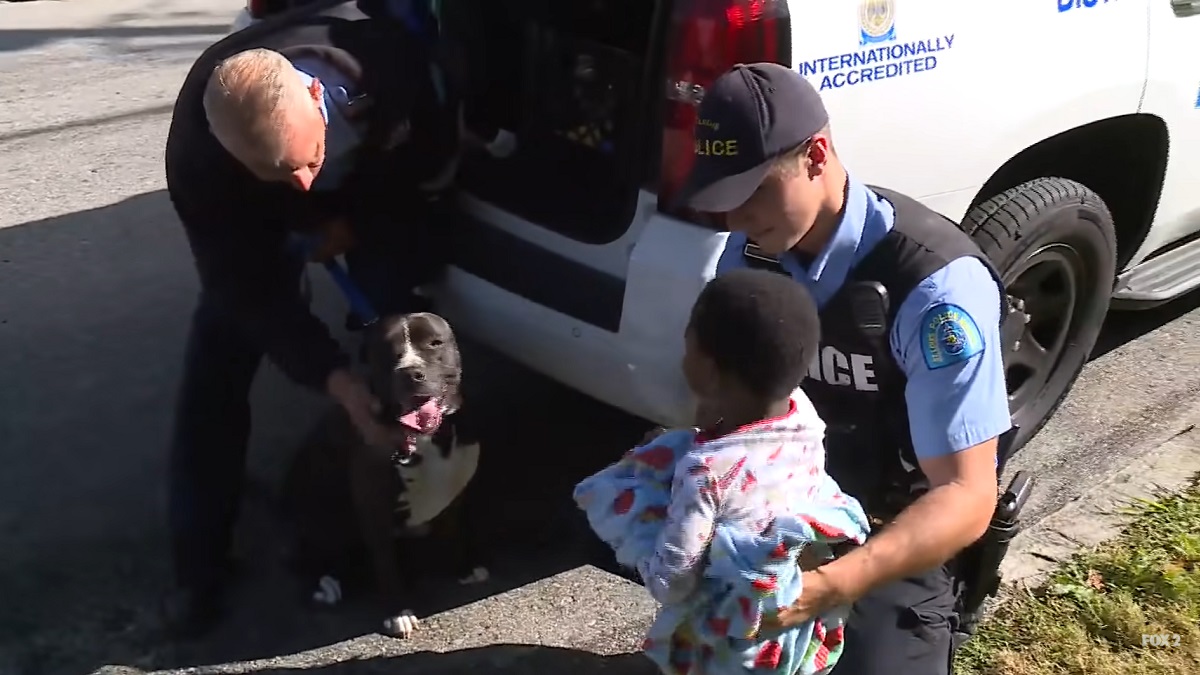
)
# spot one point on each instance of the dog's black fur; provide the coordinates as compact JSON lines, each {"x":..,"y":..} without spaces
{"x":350,"y":506}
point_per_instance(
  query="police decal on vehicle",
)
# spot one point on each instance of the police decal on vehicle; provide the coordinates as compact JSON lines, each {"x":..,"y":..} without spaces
{"x":880,"y":56}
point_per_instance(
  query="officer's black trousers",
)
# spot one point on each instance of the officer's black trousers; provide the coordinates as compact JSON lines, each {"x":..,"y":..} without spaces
{"x":208,"y":444}
{"x":902,"y":628}
{"x":212,"y":423}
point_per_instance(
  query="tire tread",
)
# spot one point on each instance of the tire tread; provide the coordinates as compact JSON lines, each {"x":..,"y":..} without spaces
{"x":995,"y":224}
{"x":996,"y":227}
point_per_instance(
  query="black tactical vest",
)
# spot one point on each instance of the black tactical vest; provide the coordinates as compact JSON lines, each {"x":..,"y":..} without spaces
{"x":855,"y":383}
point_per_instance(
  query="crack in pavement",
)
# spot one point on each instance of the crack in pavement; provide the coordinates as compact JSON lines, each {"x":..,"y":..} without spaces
{"x":91,"y":122}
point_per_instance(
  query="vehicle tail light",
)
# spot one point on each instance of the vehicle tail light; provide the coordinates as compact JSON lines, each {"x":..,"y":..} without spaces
{"x":707,"y":38}
{"x":257,"y":9}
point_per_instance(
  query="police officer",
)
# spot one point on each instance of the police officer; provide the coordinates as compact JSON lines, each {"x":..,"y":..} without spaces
{"x":914,"y":416}
{"x":328,"y":125}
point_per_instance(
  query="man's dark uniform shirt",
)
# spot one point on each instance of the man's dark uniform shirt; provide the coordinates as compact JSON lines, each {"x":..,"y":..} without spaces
{"x":238,"y":226}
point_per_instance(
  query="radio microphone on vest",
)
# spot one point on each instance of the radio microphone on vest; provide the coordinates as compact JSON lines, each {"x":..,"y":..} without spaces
{"x":869,"y":307}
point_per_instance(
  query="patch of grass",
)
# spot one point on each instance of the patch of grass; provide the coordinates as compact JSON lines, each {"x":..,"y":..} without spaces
{"x":1089,"y":617}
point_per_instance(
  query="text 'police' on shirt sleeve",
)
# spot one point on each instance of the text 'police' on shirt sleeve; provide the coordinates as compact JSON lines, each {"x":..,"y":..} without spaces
{"x":946,"y":337}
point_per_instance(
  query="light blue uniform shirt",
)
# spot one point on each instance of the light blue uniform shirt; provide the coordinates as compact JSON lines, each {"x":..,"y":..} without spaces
{"x":946,"y":334}
{"x":341,"y":136}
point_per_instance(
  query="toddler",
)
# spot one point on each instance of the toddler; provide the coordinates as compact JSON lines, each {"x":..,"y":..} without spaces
{"x":714,"y":519}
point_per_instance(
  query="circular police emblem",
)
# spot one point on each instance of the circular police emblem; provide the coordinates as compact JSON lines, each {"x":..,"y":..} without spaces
{"x":951,"y":336}
{"x":877,"y":19}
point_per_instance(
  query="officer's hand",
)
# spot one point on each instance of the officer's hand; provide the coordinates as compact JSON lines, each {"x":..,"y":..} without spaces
{"x":652,"y":434}
{"x":362,"y":408}
{"x":379,"y":436}
{"x":818,"y":594}
{"x":335,"y":238}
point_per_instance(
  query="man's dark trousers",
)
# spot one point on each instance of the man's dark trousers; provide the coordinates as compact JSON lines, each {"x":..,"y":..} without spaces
{"x":208,"y":444}
{"x":903,"y":627}
{"x":212,"y":422}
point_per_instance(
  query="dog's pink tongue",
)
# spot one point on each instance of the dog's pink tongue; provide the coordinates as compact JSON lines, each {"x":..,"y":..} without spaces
{"x":425,"y":419}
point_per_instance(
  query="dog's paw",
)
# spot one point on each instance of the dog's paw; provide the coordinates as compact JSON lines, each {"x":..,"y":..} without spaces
{"x":329,"y":591}
{"x":477,"y":576}
{"x":403,"y":625}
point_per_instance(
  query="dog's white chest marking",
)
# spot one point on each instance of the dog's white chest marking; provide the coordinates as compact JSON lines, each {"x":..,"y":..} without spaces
{"x":437,"y":481}
{"x":408,"y":357}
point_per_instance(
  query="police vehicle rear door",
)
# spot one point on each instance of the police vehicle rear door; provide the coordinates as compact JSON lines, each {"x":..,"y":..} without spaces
{"x":1173,"y":95}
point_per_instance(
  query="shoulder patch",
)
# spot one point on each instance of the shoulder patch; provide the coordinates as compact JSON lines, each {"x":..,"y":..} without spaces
{"x":948,"y":336}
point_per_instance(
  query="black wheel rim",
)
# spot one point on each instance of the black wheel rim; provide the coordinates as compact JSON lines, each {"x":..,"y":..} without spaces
{"x":1043,"y":299}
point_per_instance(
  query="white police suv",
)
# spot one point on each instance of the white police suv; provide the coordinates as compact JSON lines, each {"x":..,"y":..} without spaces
{"x":1063,"y":134}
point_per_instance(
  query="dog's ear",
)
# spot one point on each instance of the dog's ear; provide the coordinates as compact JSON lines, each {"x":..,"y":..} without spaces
{"x":467,"y":425}
{"x":377,"y":356}
{"x":443,"y":440}
{"x":373,"y":337}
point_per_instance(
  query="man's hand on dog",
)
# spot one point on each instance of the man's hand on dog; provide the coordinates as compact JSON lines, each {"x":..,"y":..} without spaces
{"x":363,"y":409}
{"x":335,"y":238}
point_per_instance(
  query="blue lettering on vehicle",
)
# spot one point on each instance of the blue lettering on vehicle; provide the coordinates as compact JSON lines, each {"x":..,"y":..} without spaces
{"x":1067,"y":5}
{"x":877,"y":63}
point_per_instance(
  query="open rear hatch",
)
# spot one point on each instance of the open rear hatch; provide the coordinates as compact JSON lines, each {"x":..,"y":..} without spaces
{"x":601,"y":96}
{"x":545,"y":70}
{"x":573,"y":81}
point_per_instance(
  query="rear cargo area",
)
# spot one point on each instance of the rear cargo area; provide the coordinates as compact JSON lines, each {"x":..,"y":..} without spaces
{"x":578,"y":83}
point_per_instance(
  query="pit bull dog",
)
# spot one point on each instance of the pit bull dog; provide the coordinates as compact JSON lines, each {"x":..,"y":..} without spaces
{"x":384,"y":511}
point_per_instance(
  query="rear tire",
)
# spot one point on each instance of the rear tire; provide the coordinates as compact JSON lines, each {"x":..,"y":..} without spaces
{"x":1053,"y":243}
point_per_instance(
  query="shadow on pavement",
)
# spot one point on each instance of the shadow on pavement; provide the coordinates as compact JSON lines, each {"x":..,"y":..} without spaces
{"x":1123,"y":327}
{"x":94,"y":307}
{"x":493,"y":660}
{"x":18,"y":39}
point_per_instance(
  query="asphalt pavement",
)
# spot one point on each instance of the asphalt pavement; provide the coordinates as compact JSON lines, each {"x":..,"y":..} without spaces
{"x":96,"y":288}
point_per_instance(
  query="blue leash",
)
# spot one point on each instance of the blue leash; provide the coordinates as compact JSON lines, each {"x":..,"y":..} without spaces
{"x":359,"y":304}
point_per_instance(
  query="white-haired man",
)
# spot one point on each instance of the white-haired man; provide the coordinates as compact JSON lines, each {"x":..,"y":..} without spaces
{"x":329,"y":124}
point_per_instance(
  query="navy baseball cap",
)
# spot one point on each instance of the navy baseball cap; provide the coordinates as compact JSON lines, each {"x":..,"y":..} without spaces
{"x":751,"y":116}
